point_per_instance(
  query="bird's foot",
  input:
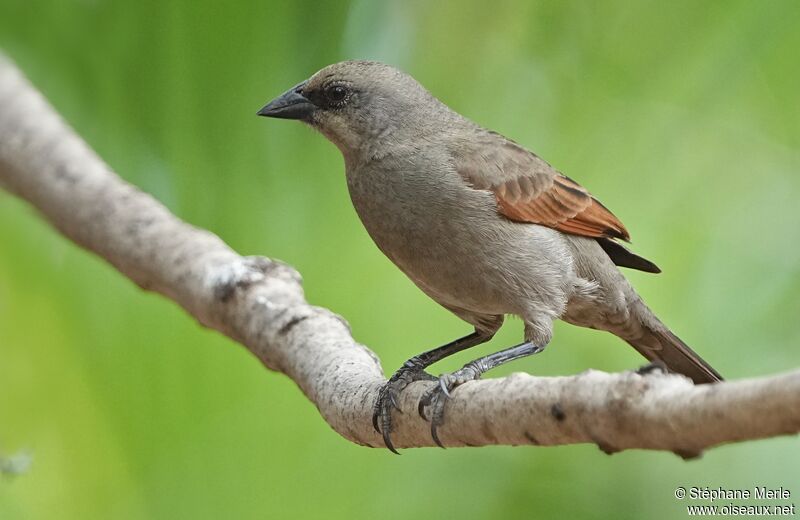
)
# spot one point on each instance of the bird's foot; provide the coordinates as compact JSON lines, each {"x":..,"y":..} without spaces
{"x":431,"y":405}
{"x":654,"y":367}
{"x":389,"y":397}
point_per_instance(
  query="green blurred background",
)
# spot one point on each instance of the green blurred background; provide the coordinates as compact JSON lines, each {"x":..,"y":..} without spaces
{"x":683,"y":117}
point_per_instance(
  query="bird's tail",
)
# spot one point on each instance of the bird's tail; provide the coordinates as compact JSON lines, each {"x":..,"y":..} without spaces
{"x":660,"y":345}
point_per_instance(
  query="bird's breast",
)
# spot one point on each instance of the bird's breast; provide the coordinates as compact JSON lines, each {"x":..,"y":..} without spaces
{"x":414,"y":214}
{"x":449,"y":239}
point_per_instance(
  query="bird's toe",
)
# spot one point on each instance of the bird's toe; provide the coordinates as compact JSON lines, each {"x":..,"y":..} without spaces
{"x":389,"y":399}
{"x":432,"y":404}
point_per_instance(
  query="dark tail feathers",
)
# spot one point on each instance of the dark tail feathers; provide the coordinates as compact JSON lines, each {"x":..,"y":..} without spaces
{"x":676,"y":356}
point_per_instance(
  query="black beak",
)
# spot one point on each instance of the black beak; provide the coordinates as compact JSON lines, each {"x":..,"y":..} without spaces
{"x":289,"y":105}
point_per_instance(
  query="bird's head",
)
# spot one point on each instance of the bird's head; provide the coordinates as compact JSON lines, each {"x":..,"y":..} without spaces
{"x":359,"y":105}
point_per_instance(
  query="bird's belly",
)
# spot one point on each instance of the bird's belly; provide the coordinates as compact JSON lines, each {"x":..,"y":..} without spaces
{"x":460,"y":252}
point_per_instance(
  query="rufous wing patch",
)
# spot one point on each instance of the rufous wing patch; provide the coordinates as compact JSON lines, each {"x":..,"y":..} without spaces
{"x":527,"y":189}
{"x":565,"y":206}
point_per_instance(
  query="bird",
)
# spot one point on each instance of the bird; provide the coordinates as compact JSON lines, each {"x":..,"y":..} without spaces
{"x":483,"y":226}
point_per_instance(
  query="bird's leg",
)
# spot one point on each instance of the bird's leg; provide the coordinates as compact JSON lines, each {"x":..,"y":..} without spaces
{"x":414,"y":370}
{"x":435,"y":397}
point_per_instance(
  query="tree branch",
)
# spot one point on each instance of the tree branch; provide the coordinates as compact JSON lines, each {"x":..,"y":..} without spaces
{"x":259,"y":303}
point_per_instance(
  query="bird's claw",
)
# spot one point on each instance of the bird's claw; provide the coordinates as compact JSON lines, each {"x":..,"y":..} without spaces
{"x":393,"y":399}
{"x":382,"y":413}
{"x":389,"y":396}
{"x":443,"y":386}
{"x":653,"y":367}
{"x":435,"y":398}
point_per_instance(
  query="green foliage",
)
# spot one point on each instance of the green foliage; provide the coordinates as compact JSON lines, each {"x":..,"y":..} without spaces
{"x":683,"y":117}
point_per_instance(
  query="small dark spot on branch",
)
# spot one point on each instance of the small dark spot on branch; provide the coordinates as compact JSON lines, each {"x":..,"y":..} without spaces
{"x":291,"y":324}
{"x":533,"y":440}
{"x":62,"y":172}
{"x":557,"y":412}
{"x":224,"y":291}
{"x":270,"y":267}
{"x":488,"y":432}
{"x":606,"y":448}
{"x":688,"y":454}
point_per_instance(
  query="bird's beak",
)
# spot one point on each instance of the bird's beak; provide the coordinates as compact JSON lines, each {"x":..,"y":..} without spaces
{"x":289,"y":105}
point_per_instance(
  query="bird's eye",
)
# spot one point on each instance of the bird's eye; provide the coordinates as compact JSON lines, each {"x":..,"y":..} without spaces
{"x":336,"y":93}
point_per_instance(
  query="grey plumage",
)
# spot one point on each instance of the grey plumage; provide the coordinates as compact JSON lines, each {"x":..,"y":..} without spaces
{"x":481,"y":225}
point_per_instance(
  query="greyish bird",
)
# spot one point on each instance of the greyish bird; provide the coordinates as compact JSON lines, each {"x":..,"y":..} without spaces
{"x":480,"y":224}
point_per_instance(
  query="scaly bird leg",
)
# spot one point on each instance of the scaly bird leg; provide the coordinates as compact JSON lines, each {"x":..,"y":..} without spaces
{"x":436,"y":397}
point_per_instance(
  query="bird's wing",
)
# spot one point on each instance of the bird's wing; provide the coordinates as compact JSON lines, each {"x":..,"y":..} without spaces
{"x":527,"y":189}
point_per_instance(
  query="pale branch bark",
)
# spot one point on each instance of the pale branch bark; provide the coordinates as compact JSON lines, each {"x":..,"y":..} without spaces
{"x":259,"y":303}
